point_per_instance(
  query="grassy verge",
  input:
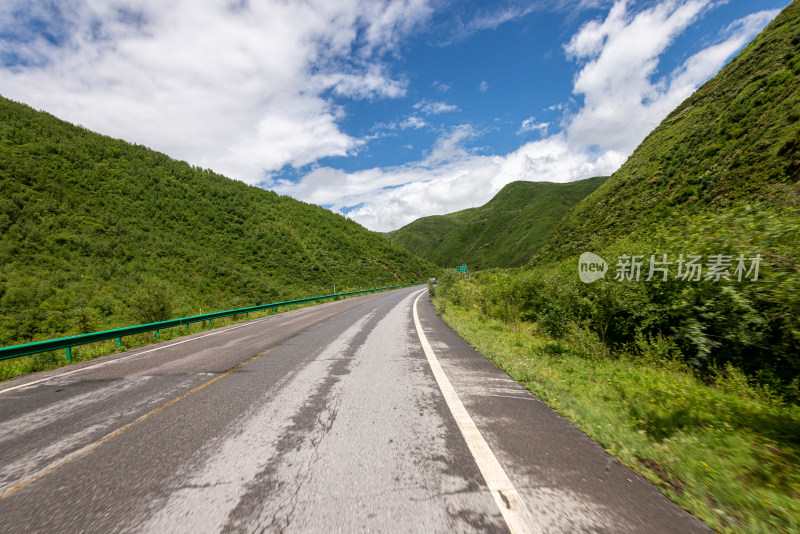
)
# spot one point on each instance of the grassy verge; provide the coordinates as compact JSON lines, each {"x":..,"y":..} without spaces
{"x":727,"y":453}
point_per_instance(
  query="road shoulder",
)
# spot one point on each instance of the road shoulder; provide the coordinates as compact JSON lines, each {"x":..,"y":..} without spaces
{"x":568,"y":482}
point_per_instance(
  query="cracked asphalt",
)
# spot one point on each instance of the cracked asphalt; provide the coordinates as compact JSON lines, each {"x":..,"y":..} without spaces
{"x":323,"y":419}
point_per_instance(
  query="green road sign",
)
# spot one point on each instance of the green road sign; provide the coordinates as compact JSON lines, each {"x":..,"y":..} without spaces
{"x":461,"y":268}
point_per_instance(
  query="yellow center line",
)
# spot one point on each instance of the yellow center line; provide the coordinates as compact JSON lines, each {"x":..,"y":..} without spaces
{"x":122,"y":429}
{"x":80,"y":452}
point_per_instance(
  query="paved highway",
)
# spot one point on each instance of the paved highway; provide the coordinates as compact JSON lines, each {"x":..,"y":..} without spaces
{"x":363,"y":415}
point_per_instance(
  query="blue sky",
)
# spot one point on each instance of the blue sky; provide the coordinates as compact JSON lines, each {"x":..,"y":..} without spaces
{"x":385,"y":110}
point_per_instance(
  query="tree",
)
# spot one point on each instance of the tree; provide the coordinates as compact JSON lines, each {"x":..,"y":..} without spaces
{"x":151,"y":304}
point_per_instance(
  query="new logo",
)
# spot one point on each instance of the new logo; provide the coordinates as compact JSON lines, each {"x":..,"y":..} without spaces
{"x":591,"y":267}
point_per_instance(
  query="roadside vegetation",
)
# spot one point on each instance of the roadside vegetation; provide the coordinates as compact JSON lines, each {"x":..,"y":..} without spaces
{"x":694,"y":381}
{"x":706,"y":324}
{"x":722,"y":445}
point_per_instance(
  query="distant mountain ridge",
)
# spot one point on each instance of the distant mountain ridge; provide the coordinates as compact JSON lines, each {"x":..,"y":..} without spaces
{"x":504,"y":232}
{"x":88,"y":223}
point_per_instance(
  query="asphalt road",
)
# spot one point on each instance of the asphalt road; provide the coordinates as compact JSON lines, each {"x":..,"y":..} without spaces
{"x":341,"y":417}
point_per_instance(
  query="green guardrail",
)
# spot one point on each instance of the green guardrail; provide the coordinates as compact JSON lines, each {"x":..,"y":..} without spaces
{"x":67,"y":343}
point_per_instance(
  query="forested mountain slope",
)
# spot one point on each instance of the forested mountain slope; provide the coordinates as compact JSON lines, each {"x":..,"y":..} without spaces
{"x":504,"y":232}
{"x":91,"y":225}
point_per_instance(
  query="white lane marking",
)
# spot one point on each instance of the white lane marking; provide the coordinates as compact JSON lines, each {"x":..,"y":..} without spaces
{"x":515,"y":513}
{"x":117,"y":360}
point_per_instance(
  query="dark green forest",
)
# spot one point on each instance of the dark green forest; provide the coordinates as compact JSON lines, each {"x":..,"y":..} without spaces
{"x":504,"y":232}
{"x":100,"y":233}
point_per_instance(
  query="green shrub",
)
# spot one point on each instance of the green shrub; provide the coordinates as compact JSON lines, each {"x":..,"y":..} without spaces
{"x":151,"y":304}
{"x":751,"y":325}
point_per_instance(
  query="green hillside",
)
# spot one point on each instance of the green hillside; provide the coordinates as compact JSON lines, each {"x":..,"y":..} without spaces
{"x":93,"y":226}
{"x":735,"y":140}
{"x":718,"y":178}
{"x":504,"y":232}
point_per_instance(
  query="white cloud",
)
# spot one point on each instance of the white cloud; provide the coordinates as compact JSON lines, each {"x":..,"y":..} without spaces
{"x":372,"y":82}
{"x":622,"y":102}
{"x":435,"y":108}
{"x":413,"y":122}
{"x":530,"y":125}
{"x":591,"y":38}
{"x":330,"y":186}
{"x":616,"y":82}
{"x":238,"y":88}
{"x":450,"y":147}
{"x":488,"y":20}
{"x":484,"y":86}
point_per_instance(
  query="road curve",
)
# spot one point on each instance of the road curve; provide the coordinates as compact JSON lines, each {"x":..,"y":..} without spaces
{"x":332,"y":418}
